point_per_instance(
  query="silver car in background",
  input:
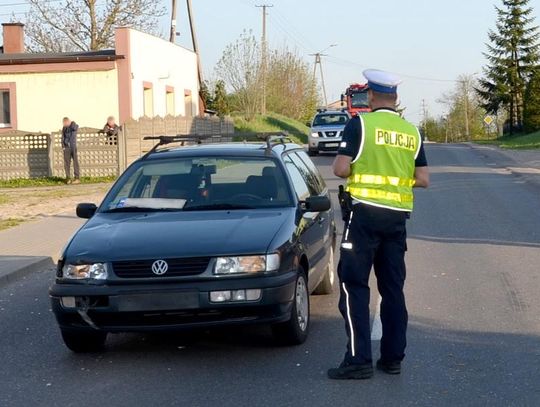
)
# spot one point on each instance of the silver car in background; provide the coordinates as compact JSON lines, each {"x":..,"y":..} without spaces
{"x":326,"y":131}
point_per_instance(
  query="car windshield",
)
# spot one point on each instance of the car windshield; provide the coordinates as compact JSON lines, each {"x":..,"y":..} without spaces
{"x":360,"y":99}
{"x":199,"y":183}
{"x":339,"y":119}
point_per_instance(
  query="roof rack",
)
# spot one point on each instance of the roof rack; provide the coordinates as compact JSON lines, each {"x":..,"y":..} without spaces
{"x":180,"y":138}
{"x":271,"y":139}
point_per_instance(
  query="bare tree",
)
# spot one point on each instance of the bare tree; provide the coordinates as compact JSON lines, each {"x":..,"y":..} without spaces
{"x":86,"y":25}
{"x":239,"y":67}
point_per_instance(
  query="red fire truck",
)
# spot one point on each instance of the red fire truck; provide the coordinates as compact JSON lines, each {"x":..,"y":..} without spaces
{"x":357,"y":99}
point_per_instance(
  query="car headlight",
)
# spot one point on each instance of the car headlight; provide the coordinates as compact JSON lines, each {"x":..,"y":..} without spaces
{"x":314,"y":134}
{"x":96,"y":271}
{"x":246,"y":264}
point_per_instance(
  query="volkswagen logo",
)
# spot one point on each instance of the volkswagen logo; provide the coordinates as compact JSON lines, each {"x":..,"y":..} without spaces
{"x":159,"y":267}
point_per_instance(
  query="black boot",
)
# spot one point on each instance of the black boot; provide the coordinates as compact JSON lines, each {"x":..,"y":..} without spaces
{"x":354,"y":372}
{"x":389,"y":367}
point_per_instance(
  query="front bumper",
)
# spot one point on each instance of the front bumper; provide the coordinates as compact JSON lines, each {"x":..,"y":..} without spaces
{"x":324,"y":143}
{"x":165,"y":306}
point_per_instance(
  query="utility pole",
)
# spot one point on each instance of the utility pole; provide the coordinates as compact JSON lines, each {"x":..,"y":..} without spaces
{"x":318,"y":62}
{"x":466,"y":109}
{"x":172,"y":35}
{"x":425,"y":116}
{"x":263,"y":55}
{"x":196,"y":51}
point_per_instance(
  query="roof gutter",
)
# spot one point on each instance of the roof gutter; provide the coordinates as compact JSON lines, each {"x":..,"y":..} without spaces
{"x":59,"y":60}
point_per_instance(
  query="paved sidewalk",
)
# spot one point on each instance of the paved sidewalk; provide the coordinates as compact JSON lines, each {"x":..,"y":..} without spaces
{"x":34,"y":245}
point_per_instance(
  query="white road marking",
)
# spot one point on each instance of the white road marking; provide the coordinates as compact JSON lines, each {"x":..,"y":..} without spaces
{"x":376,"y":328}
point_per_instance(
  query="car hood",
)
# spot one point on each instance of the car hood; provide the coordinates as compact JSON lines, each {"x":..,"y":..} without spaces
{"x":130,"y":236}
{"x":328,"y":128}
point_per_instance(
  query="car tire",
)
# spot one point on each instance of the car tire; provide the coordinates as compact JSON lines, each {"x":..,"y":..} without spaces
{"x":84,"y":341}
{"x":326,"y":286}
{"x":295,"y":330}
{"x":313,"y":153}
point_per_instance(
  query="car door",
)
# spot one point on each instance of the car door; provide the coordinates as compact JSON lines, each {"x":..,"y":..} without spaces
{"x":307,"y":229}
{"x":316,"y":186}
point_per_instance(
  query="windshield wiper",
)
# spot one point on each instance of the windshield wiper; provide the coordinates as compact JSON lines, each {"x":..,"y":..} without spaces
{"x":138,"y":209}
{"x":217,"y":206}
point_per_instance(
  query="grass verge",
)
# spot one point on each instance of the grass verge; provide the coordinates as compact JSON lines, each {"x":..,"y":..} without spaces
{"x":516,"y":142}
{"x":270,"y":123}
{"x":50,"y":181}
{"x":9,"y":223}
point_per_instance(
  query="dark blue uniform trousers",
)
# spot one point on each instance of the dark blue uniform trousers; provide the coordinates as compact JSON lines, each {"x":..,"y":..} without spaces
{"x":373,"y":237}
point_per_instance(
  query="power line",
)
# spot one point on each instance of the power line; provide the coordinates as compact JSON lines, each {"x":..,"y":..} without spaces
{"x":288,"y":34}
{"x":420,"y":78}
{"x":297,"y":34}
{"x":27,"y":3}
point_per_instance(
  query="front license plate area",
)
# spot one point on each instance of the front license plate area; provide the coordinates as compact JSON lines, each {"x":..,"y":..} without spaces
{"x":157,"y":301}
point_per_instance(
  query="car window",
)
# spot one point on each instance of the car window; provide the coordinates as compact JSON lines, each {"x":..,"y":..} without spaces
{"x":299,"y":184}
{"x":309,"y":177}
{"x":313,"y":168}
{"x":202,"y":182}
{"x":338,"y":119}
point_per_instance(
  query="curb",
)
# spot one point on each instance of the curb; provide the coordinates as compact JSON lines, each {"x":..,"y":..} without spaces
{"x":13,"y":275}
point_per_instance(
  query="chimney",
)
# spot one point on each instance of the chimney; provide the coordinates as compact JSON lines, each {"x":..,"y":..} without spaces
{"x":13,"y":38}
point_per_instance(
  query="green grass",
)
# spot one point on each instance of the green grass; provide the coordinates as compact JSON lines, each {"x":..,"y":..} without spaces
{"x":272,"y":122}
{"x":9,"y":223}
{"x":49,"y":181}
{"x":520,"y":141}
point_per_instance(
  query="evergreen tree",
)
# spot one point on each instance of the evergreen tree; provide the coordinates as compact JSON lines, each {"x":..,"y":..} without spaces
{"x":206,"y":96}
{"x":531,"y":112}
{"x":221,"y":101}
{"x":512,"y":56}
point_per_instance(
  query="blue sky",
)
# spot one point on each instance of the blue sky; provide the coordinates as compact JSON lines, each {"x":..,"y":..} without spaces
{"x":432,"y":39}
{"x":420,"y":39}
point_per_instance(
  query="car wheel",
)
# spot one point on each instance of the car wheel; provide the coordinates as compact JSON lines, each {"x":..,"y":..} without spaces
{"x":84,"y":341}
{"x":326,"y":286}
{"x":312,"y":153}
{"x":295,"y":330}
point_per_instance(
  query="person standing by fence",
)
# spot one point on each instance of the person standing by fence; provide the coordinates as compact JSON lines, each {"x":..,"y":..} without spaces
{"x":111,"y":128}
{"x":69,"y":145}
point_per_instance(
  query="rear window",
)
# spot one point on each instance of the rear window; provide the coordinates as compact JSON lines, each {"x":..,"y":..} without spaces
{"x":330,"y":120}
{"x":201,"y":182}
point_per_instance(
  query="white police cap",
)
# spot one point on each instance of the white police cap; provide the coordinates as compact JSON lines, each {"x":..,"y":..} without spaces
{"x":381,"y":81}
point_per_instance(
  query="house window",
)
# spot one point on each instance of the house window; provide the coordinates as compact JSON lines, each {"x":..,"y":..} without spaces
{"x":188,"y":103}
{"x":148,"y":99}
{"x":8,"y":106}
{"x":169,"y":101}
{"x":5,"y":108}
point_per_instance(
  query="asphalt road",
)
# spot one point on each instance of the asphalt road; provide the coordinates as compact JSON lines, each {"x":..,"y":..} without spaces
{"x":474,"y":335}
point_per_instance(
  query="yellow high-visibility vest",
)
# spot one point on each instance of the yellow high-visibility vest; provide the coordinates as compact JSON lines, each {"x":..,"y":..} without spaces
{"x":382,"y":174}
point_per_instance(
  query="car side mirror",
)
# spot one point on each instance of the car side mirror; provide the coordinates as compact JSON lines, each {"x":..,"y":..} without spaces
{"x":86,"y":210}
{"x":342,"y":98}
{"x":319,"y":203}
{"x":308,"y":124}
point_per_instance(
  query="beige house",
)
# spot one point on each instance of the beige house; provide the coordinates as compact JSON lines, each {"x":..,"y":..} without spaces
{"x":143,"y":76}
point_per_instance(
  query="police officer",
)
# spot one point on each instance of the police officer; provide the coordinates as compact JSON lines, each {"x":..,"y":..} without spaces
{"x":383,"y":159}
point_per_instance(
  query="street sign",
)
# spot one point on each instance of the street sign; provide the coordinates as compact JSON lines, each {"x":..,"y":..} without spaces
{"x":488,"y":120}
